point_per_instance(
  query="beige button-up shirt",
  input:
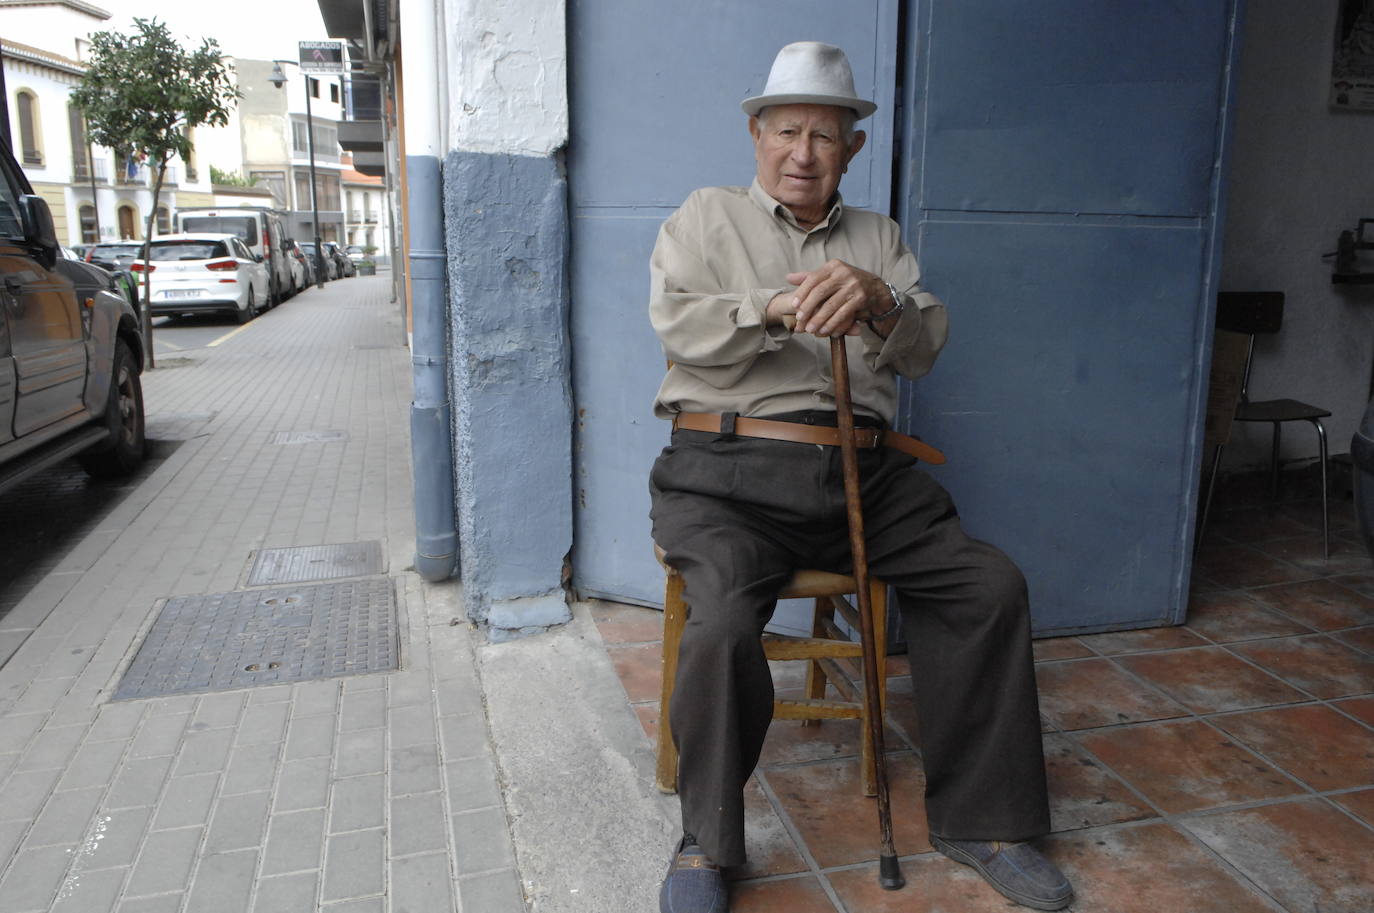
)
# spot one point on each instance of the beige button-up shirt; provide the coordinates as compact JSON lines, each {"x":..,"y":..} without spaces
{"x":722,"y":257}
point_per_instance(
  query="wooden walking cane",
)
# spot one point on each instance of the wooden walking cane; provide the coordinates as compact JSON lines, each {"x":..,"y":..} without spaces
{"x":889,"y":873}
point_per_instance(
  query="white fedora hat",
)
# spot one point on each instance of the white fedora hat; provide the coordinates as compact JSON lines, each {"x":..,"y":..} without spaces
{"x":809,"y":72}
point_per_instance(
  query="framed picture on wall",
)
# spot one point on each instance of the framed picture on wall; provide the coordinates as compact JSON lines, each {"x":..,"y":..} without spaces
{"x":1352,"y":58}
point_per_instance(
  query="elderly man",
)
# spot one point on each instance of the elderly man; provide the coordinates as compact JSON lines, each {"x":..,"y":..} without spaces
{"x":747,"y":286}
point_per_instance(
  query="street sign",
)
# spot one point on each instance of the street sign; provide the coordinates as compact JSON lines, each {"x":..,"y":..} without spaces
{"x":322,"y":57}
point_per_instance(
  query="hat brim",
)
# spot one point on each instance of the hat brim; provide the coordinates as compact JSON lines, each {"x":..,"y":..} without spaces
{"x":752,"y":106}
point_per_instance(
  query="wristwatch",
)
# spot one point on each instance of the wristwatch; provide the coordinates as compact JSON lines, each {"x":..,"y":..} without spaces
{"x":897,"y":306}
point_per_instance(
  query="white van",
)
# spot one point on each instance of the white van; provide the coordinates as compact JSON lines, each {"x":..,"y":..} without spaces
{"x":259,"y":228}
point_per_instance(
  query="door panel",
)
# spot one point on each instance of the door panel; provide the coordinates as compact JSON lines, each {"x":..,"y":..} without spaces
{"x":46,"y":340}
{"x":655,"y":93}
{"x":7,"y":385}
{"x":1063,"y":195}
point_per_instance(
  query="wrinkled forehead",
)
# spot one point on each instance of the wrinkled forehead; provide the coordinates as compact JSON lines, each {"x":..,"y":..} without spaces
{"x":816,"y":116}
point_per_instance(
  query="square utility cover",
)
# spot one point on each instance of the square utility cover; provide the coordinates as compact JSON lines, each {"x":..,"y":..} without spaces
{"x":300,"y":563}
{"x":223,"y":641}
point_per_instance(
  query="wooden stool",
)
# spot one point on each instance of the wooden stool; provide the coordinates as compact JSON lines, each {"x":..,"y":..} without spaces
{"x":822,"y":652}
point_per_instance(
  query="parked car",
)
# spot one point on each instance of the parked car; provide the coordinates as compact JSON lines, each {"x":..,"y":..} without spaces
{"x":343,"y":265}
{"x":70,"y":349}
{"x":355,"y":253}
{"x":300,"y":271}
{"x":115,"y":254}
{"x":331,"y":266}
{"x":307,"y":263}
{"x":259,"y":228}
{"x":196,"y":273}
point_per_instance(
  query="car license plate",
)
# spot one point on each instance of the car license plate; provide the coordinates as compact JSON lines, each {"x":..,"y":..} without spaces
{"x":181,"y":293}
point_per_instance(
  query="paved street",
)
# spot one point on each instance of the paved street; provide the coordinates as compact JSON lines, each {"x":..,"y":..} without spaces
{"x":363,"y":792}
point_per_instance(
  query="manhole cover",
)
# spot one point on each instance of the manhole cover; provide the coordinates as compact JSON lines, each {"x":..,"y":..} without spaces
{"x":308,"y":437}
{"x":235,"y":640}
{"x":316,"y":562}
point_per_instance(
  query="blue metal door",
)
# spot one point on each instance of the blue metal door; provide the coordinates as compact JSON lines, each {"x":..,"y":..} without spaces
{"x":655,"y":93}
{"x":1062,"y":190}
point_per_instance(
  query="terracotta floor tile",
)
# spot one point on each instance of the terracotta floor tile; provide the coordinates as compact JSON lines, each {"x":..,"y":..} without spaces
{"x":1210,"y":679}
{"x":1362,"y":708}
{"x":792,"y":895}
{"x":1186,"y":766}
{"x":828,"y":809}
{"x":1148,"y":869}
{"x":1362,"y":582}
{"x":1306,"y":854}
{"x":1161,"y":638}
{"x":790,"y":742}
{"x":640,"y":669}
{"x":1256,"y":524}
{"x":771,"y":849}
{"x":1241,"y":565}
{"x":626,"y":624}
{"x":1309,"y":512}
{"x":1313,"y":743}
{"x":1321,"y":604}
{"x":1359,"y":638}
{"x":901,"y":712}
{"x":1228,"y":616}
{"x":648,"y":718}
{"x":1059,"y":648}
{"x":1081,"y":694}
{"x":1315,"y":663}
{"x":1347,"y":556}
{"x":934,"y":884}
{"x":1360,"y":804}
{"x":1082,"y":792}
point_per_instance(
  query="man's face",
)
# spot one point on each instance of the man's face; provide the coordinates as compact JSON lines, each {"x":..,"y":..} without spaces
{"x":801,"y":152}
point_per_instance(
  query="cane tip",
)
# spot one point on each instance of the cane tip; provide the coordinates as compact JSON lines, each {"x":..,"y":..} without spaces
{"x":890,"y":874}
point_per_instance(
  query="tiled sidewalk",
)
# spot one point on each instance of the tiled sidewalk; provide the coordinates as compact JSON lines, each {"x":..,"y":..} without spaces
{"x":1224,"y":766}
{"x":358,"y":794}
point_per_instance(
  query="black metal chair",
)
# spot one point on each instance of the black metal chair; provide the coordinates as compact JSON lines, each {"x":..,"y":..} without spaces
{"x":1253,"y":313}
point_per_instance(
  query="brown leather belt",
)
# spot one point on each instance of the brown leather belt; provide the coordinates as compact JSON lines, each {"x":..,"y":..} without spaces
{"x":865,"y":438}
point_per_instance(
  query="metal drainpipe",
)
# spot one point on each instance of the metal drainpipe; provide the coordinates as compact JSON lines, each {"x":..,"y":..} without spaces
{"x":431,"y":438}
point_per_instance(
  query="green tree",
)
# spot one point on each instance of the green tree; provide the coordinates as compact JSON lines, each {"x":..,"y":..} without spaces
{"x":230,"y":178}
{"x":142,"y":94}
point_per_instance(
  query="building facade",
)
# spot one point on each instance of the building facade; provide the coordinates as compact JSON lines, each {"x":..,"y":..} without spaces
{"x":1066,"y":191}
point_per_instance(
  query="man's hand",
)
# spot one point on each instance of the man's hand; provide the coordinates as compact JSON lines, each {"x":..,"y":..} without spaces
{"x":831,"y":301}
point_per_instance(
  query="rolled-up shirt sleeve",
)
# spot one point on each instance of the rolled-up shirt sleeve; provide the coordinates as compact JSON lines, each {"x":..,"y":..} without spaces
{"x":714,"y":332}
{"x":923,"y":327}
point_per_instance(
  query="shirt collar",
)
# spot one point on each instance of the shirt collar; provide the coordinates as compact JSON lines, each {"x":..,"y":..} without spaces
{"x":778,"y":210}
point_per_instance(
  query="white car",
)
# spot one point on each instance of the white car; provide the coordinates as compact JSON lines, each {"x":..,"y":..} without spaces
{"x":196,"y":273}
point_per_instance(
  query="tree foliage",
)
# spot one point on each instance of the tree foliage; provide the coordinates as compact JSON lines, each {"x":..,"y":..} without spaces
{"x":142,"y":92}
{"x":230,"y":178}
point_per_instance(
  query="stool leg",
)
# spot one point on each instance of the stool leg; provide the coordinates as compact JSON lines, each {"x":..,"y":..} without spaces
{"x":1326,"y":518}
{"x":815,"y":672}
{"x":674,"y":618}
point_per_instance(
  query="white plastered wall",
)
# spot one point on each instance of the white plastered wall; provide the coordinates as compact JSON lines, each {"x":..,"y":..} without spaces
{"x":508,"y":86}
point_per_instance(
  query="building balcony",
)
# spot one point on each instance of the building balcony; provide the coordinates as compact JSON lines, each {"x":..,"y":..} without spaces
{"x":82,"y":171}
{"x":361,"y":136}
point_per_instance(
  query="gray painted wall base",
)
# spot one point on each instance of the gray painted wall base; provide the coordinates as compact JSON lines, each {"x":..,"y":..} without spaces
{"x":506,"y":226}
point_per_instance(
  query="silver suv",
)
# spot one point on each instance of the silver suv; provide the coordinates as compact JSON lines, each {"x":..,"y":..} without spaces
{"x":70,"y":349}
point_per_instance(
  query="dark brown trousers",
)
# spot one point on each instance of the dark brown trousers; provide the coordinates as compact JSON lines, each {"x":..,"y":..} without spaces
{"x":736,"y":516}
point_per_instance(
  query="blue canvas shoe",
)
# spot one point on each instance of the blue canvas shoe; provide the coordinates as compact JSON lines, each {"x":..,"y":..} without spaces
{"x":693,"y":883}
{"x":1018,"y":870}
